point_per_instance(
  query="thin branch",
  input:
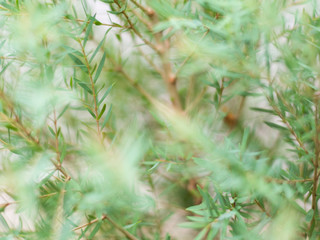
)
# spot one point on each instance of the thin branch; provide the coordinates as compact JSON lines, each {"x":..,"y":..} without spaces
{"x":269,"y":179}
{"x":144,"y":21}
{"x":135,"y":30}
{"x":93,"y":90}
{"x":89,"y":223}
{"x":148,"y":12}
{"x":120,"y":228}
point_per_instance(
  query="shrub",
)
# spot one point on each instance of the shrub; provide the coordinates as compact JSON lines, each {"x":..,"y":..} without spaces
{"x":158,"y":119}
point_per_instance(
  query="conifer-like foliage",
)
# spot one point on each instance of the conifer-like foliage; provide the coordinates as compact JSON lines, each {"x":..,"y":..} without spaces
{"x":159,"y":119}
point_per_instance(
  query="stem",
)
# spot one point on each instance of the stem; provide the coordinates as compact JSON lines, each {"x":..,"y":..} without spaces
{"x":93,"y":90}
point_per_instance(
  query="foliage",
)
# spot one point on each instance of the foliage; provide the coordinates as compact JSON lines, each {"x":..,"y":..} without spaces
{"x":159,"y":119}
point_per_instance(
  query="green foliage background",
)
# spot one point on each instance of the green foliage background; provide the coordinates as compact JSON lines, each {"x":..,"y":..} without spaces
{"x":181,"y":119}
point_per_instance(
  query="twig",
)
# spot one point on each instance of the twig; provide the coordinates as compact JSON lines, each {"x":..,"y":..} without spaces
{"x":89,"y":223}
{"x":269,"y":179}
{"x":93,"y":90}
{"x":120,"y":228}
{"x":135,"y":30}
{"x":148,"y":12}
{"x":144,"y":21}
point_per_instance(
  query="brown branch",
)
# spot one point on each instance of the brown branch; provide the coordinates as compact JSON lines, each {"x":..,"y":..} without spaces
{"x":120,"y":228}
{"x":143,"y":20}
{"x":147,"y":42}
{"x":89,"y":223}
{"x":269,"y":179}
{"x":148,"y":12}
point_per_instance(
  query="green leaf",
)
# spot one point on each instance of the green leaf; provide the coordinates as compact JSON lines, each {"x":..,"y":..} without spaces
{"x":99,"y":46}
{"x":71,"y":82}
{"x":89,"y":30}
{"x":95,"y":230}
{"x":78,"y":63}
{"x":92,"y":114}
{"x":83,"y":232}
{"x":106,"y":118}
{"x":63,"y":153}
{"x":309,"y":215}
{"x":107,"y":1}
{"x":202,"y":234}
{"x":99,"y":68}
{"x":105,"y":94}
{"x":262,"y":110}
{"x":63,"y":111}
{"x":2,"y":43}
{"x":4,"y":222}
{"x":84,"y":86}
{"x":121,"y":10}
{"x":207,"y":200}
{"x":72,"y":51}
{"x":51,"y":130}
{"x":276,"y":126}
{"x":102,"y":111}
